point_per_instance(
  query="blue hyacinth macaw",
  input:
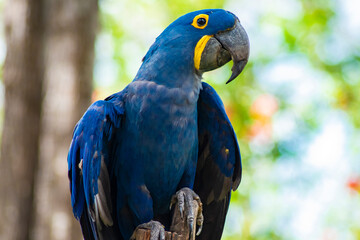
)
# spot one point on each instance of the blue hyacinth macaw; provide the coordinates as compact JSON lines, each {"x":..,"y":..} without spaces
{"x":164,"y":138}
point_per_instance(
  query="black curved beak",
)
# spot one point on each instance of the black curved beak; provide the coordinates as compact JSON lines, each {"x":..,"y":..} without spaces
{"x":229,"y":45}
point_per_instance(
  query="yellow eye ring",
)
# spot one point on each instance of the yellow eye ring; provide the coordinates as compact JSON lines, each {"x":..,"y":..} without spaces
{"x":200,"y":21}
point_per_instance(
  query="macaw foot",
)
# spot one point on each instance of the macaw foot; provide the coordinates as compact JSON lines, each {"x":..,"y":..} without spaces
{"x":185,"y":197}
{"x":157,"y":230}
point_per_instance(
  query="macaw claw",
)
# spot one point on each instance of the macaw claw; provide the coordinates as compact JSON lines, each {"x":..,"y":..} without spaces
{"x":157,"y":230}
{"x":185,"y":198}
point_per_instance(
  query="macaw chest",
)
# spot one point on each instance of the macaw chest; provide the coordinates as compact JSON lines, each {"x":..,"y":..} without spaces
{"x":162,"y":129}
{"x":163,"y":120}
{"x":165,"y":132}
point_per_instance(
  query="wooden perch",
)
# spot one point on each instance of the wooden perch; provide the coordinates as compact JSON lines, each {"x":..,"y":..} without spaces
{"x":179,"y":229}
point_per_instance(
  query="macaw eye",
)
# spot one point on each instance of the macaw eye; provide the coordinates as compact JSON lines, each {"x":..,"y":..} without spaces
{"x":200,"y":21}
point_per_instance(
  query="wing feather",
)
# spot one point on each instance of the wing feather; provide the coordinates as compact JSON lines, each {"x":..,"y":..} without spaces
{"x":88,"y":158}
{"x":219,"y":162}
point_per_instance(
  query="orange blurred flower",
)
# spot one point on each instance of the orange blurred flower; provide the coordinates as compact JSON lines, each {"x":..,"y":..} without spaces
{"x":354,"y":184}
{"x":264,"y":107}
{"x":261,"y":111}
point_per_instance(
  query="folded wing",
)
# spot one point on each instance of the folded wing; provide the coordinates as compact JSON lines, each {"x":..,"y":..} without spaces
{"x":219,"y":162}
{"x":88,"y":158}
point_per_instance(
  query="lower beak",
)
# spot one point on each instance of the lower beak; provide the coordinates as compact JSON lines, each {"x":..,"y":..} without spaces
{"x":229,"y":45}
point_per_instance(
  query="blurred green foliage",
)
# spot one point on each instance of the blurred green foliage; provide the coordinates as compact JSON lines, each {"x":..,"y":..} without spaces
{"x":295,"y":108}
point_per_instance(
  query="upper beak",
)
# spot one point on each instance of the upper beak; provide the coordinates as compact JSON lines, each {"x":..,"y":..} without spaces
{"x":224,"y":46}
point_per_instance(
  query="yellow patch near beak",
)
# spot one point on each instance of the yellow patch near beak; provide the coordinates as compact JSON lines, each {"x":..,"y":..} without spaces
{"x":199,"y":49}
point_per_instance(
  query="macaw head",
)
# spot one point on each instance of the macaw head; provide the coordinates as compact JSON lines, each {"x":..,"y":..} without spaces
{"x":200,"y":41}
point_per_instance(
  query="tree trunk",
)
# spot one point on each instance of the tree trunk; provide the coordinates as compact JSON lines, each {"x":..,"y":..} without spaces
{"x":68,"y":78}
{"x":23,"y":80}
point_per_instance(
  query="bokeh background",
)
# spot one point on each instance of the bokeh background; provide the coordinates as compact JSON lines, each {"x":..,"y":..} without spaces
{"x":295,"y":109}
